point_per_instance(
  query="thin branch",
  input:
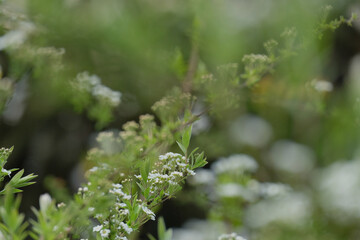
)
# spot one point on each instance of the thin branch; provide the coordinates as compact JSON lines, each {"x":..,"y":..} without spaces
{"x":193,"y":65}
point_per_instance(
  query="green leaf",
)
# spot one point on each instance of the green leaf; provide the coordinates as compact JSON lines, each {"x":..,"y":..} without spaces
{"x":161,"y":229}
{"x":183,"y":149}
{"x":151,"y":237}
{"x":186,"y":137}
{"x":168,"y":234}
{"x":144,"y":170}
{"x":200,"y":161}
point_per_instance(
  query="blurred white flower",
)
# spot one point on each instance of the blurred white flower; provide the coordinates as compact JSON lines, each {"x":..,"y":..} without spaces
{"x":339,"y":190}
{"x":104,"y":233}
{"x":291,"y":157}
{"x":290,"y":209}
{"x":269,"y":190}
{"x":108,"y":142}
{"x":238,"y":163}
{"x":231,"y":236}
{"x":127,"y":229}
{"x":44,"y":202}
{"x":92,"y":84}
{"x":250,"y":130}
{"x":322,"y":85}
{"x":202,"y":177}
{"x":97,"y":228}
{"x":148,"y":212}
{"x":16,"y":37}
{"x":199,"y":230}
{"x":236,"y":190}
{"x":3,"y":170}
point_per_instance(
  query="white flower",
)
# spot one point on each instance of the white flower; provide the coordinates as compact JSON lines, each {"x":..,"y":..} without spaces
{"x":238,"y":163}
{"x":91,"y":209}
{"x":127,"y":197}
{"x":94,"y":169}
{"x":322,"y":85}
{"x":60,"y":205}
{"x":117,"y":185}
{"x":290,"y":209}
{"x":190,"y":172}
{"x":273,"y":189}
{"x":291,"y":157}
{"x":116,"y":191}
{"x":97,"y":228}
{"x":127,"y":229}
{"x":122,"y":205}
{"x":231,"y":236}
{"x":44,"y":201}
{"x":339,"y":190}
{"x":104,"y":233}
{"x":235,"y":190}
{"x":203,"y":176}
{"x":120,"y":238}
{"x":150,"y":213}
{"x":6,"y":171}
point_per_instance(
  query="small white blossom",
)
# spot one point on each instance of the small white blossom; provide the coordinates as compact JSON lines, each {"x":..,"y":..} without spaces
{"x":44,"y":201}
{"x":97,"y":228}
{"x":203,"y":177}
{"x":105,"y":233}
{"x":150,"y":213}
{"x":121,"y":238}
{"x":231,"y":236}
{"x":60,"y":205}
{"x":127,"y":197}
{"x":238,"y":163}
{"x":94,"y":169}
{"x":117,"y":185}
{"x":3,"y":170}
{"x":127,"y":229}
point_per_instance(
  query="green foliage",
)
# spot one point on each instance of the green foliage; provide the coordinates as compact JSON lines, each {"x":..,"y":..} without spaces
{"x":163,"y":234}
{"x":17,"y":181}
{"x":332,"y":25}
{"x":13,"y":225}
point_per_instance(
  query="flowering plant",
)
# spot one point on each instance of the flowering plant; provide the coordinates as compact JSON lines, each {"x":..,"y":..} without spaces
{"x":262,"y":182}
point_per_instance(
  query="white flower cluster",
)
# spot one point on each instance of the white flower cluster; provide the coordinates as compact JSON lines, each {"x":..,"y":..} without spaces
{"x":104,"y":229}
{"x":292,"y":209}
{"x":104,"y":232}
{"x":17,"y":37}
{"x":268,"y":190}
{"x":92,"y":84}
{"x":231,"y":236}
{"x":117,"y":215}
{"x":150,"y":213}
{"x":339,"y":190}
{"x":4,"y":154}
{"x":322,"y":85}
{"x":203,"y":177}
{"x":117,"y":190}
{"x":109,"y":142}
{"x":255,"y":59}
{"x":238,"y":163}
{"x":172,"y":168}
{"x":252,"y":191}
